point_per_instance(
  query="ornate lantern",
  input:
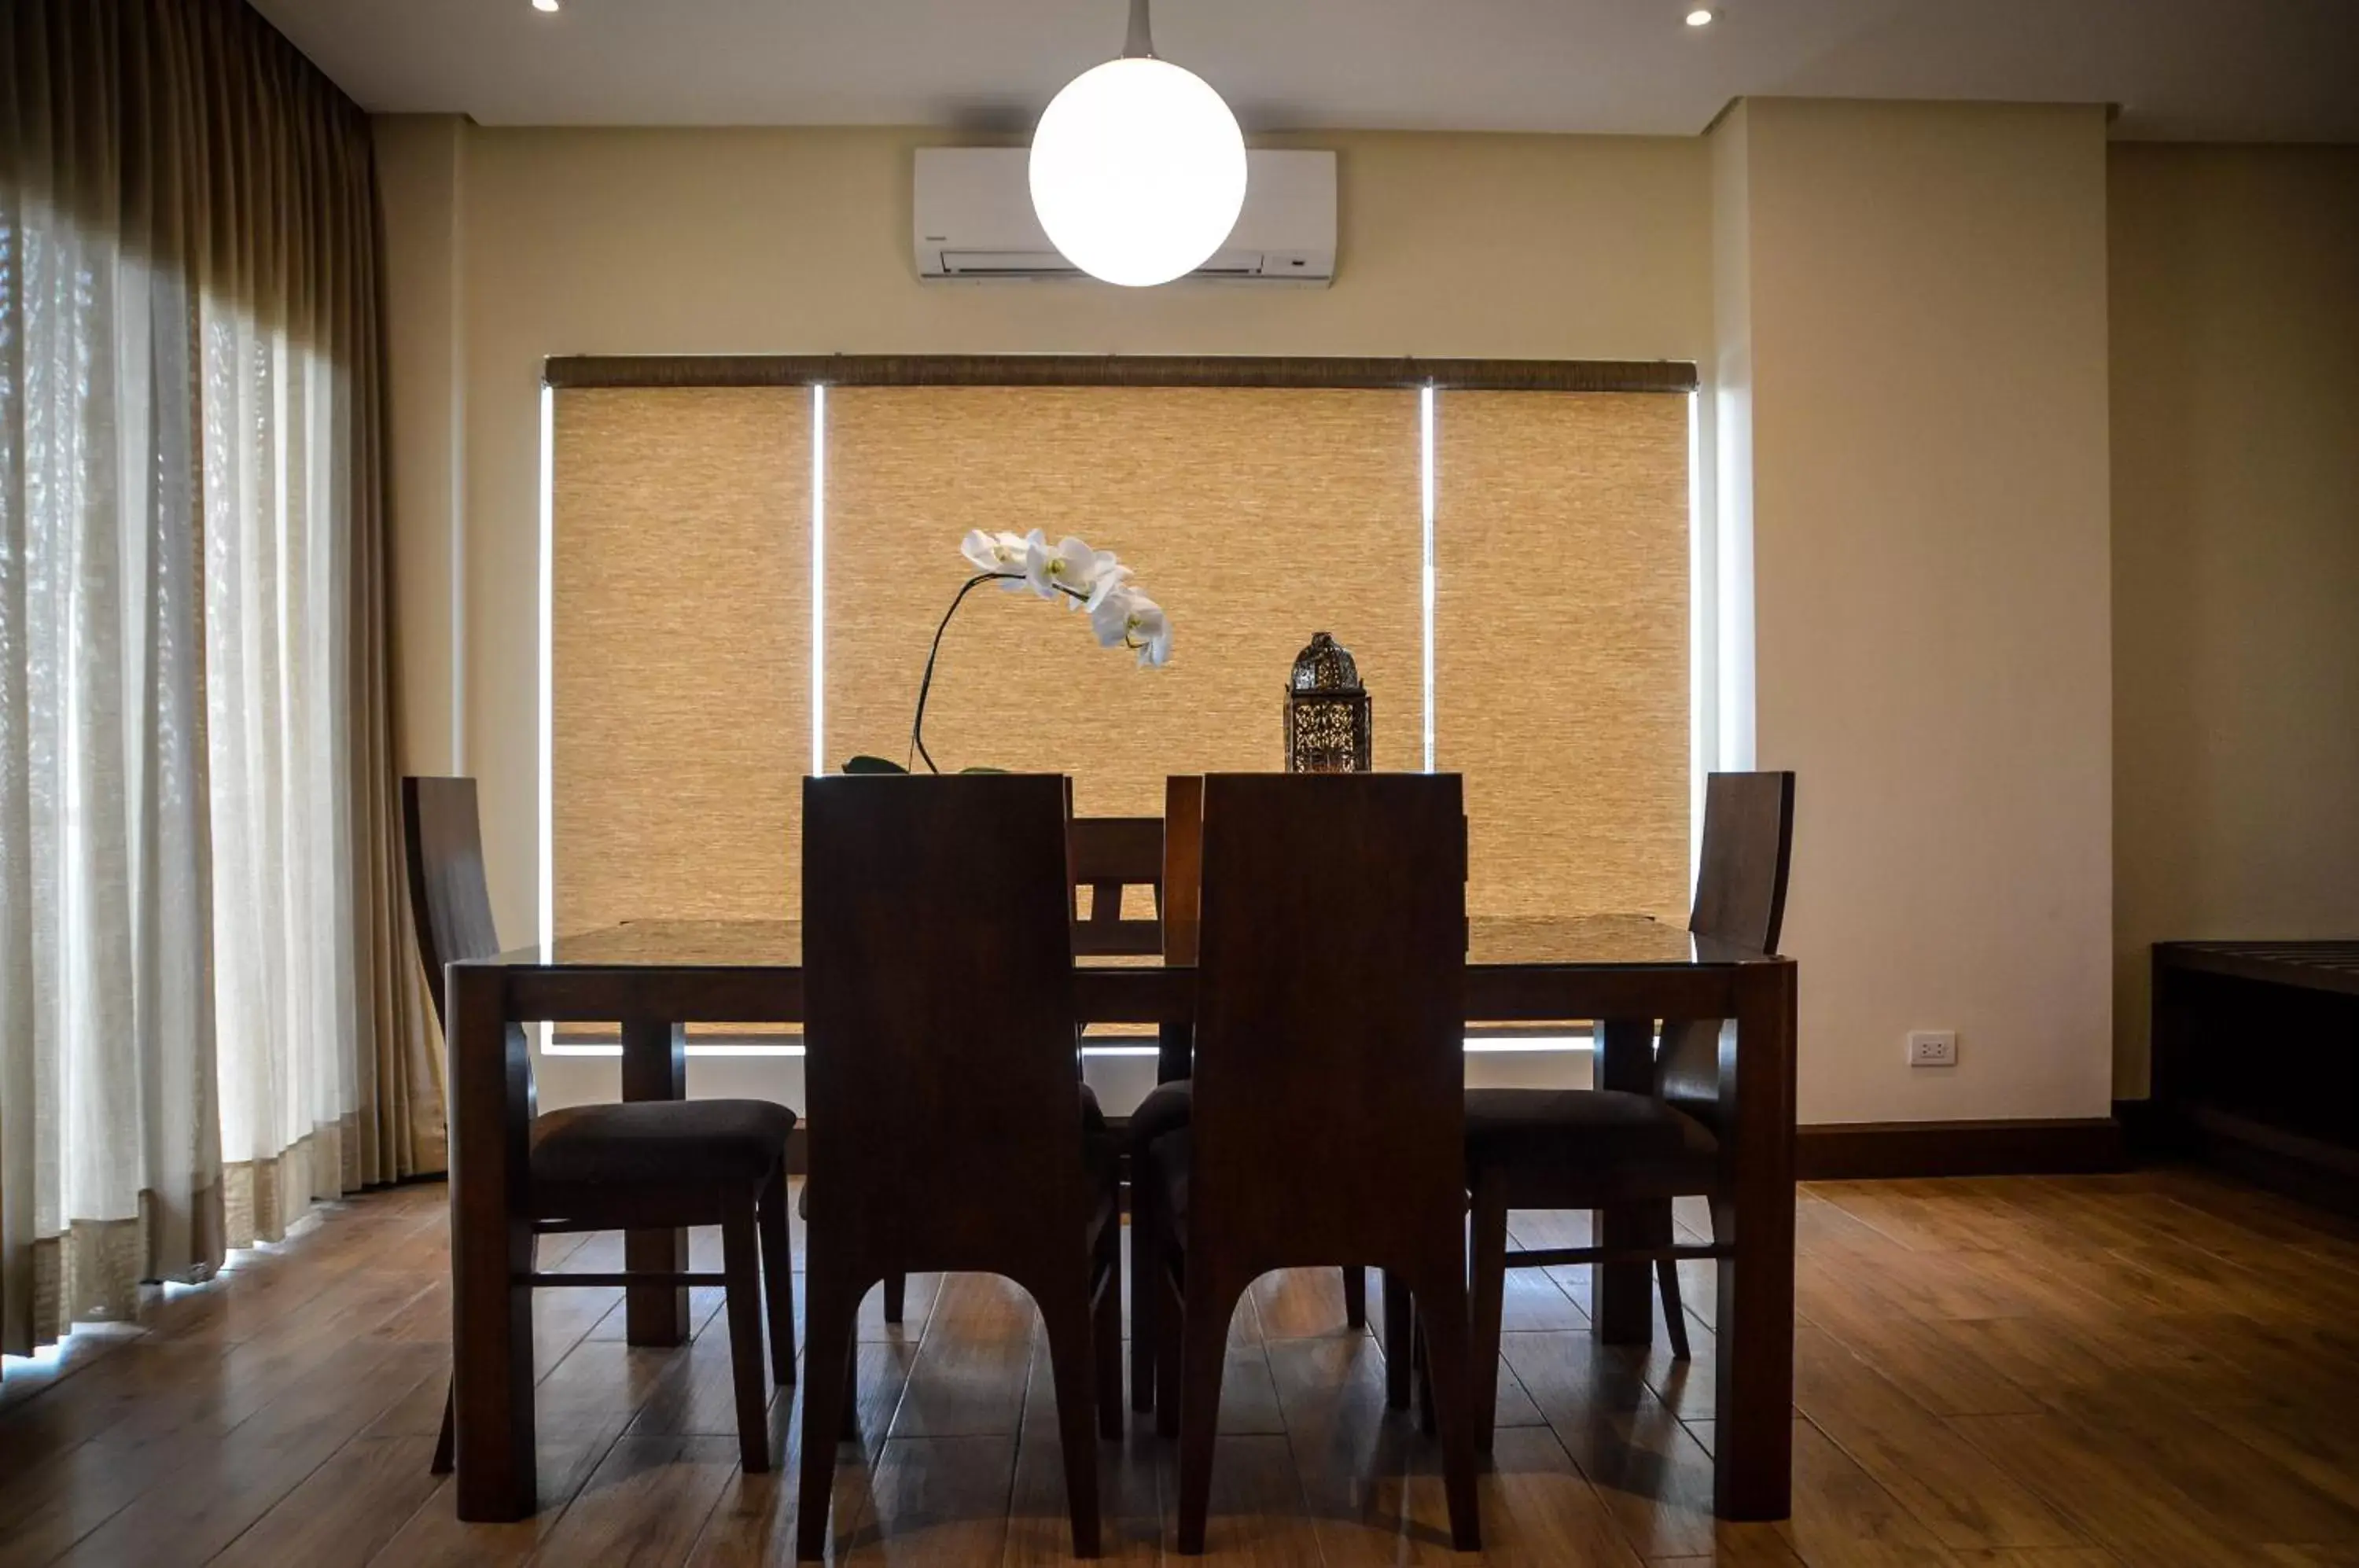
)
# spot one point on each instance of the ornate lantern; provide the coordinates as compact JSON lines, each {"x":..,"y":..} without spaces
{"x":1327,"y":713}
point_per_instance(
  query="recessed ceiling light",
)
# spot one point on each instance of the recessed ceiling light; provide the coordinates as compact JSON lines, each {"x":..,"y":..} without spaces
{"x":1701,"y":17}
{"x":544,"y":4}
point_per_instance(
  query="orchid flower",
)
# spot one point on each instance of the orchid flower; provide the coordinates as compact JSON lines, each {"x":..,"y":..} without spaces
{"x":1085,"y":579}
{"x":1070,"y":570}
{"x":1127,"y":618}
{"x":1001,"y":554}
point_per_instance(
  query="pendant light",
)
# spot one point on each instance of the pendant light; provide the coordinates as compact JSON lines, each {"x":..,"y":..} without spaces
{"x":1139,"y":169}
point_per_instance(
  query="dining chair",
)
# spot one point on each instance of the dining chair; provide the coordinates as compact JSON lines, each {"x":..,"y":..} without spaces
{"x":951,"y":1130}
{"x":1588,"y":1148}
{"x":647,"y":1164}
{"x":1166,"y":1105}
{"x":1110,"y":856}
{"x":1328,"y":1087}
{"x":1106,"y":856}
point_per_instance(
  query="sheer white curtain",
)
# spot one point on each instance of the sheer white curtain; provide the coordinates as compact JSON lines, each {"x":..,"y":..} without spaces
{"x":206,"y":998}
{"x":277,"y":522}
{"x":110,"y":1161}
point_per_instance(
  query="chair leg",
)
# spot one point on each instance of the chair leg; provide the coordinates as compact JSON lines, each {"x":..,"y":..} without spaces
{"x":1171,"y":1321}
{"x":1489,"y":1298}
{"x":1105,"y":1338}
{"x":741,"y":1267}
{"x":1424,"y":1374}
{"x":1441,"y":1321}
{"x":443,"y":1444}
{"x":1356,"y":1296}
{"x":1211,"y":1302}
{"x":1400,"y":1328}
{"x":896,"y":1293}
{"x":830,"y":1304}
{"x":1145,"y":1292}
{"x":1675,"y":1316}
{"x":778,"y":1277}
{"x":1065,"y":1314}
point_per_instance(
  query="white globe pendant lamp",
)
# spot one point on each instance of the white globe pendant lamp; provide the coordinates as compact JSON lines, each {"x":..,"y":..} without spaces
{"x":1139,"y":169}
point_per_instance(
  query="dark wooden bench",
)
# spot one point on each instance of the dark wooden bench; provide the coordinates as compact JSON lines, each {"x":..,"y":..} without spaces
{"x":2255,"y":1050}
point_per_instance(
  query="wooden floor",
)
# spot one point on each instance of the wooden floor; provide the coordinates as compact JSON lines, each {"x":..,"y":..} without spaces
{"x":2152,"y":1370}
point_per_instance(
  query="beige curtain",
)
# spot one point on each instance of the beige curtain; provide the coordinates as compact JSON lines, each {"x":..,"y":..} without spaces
{"x":205,"y":1019}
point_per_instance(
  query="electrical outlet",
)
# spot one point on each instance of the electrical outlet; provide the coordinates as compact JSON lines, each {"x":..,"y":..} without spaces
{"x":1932,"y":1047}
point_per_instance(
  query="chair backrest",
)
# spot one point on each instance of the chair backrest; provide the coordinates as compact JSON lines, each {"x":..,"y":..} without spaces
{"x":1748,"y":845}
{"x":449,"y":899}
{"x":1740,"y":897}
{"x":1183,"y":865}
{"x":1331,"y":975}
{"x":943,"y":1080}
{"x":1109,"y":855}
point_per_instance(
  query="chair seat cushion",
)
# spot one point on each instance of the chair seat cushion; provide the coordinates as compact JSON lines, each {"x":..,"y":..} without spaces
{"x":666,"y":1141}
{"x":1582,"y":1131}
{"x":1166,"y":1108}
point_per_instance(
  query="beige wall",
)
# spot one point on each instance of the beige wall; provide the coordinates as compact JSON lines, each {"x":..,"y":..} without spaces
{"x":1924,"y":319}
{"x":2235,"y":454}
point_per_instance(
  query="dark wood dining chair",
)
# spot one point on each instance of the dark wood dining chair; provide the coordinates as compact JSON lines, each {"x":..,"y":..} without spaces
{"x":648,"y":1164}
{"x":949,"y":1128}
{"x":1109,"y":857}
{"x":1166,"y":1105}
{"x":1590,"y":1149}
{"x":1328,"y":1081}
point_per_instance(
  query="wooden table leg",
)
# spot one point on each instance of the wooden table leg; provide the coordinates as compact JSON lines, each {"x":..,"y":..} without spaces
{"x":655,"y":1067}
{"x":1621,"y":1295}
{"x":1753,"y":1474}
{"x":491,"y":1249}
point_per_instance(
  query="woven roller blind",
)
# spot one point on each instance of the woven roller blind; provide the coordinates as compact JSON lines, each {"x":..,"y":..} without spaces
{"x":1560,"y":636}
{"x":1255,"y":518}
{"x":681,"y":653}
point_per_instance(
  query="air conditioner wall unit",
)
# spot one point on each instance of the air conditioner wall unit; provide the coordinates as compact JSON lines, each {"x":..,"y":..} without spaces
{"x":975,"y":221}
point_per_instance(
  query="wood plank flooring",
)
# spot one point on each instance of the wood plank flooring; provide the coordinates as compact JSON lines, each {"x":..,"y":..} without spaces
{"x":2099,"y":1372}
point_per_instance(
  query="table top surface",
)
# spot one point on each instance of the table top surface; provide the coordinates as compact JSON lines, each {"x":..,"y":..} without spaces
{"x":1493,"y":942}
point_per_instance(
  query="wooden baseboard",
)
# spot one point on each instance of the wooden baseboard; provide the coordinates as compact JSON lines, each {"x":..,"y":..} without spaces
{"x":1843,"y":1151}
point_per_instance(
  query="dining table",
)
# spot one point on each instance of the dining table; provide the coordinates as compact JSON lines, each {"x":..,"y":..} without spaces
{"x":654,"y":979}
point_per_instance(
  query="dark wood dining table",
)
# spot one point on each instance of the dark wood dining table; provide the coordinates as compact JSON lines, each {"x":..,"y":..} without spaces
{"x":656,"y":978}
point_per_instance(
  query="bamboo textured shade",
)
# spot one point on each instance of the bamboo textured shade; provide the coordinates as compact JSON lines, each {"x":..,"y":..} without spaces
{"x":1560,"y":637}
{"x":1253,"y":516}
{"x":680,"y":683}
{"x":682,"y":677}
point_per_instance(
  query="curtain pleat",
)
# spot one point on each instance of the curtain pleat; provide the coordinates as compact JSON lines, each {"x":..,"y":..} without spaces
{"x":207,"y":1014}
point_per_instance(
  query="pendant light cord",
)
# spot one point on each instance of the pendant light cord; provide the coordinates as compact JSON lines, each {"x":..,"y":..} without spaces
{"x":1140,"y":45}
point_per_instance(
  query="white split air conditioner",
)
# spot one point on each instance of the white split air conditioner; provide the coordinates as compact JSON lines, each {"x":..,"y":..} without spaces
{"x":974,"y":220}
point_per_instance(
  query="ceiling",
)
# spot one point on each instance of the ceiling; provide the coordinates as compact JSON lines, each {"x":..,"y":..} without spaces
{"x":2178,"y":69}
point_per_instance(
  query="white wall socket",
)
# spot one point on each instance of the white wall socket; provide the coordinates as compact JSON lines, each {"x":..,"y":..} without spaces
{"x":1932,"y":1047}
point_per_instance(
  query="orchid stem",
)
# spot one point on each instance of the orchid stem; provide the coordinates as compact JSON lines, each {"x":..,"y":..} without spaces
{"x":926,"y":685}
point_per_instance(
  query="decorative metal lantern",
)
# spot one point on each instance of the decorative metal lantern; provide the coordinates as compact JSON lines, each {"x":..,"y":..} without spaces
{"x":1327,"y":712}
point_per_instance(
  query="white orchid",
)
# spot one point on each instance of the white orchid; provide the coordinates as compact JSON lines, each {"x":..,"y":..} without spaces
{"x":1068,"y":571}
{"x":1003,"y":555}
{"x":1127,"y":619}
{"x":1083,"y":577}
